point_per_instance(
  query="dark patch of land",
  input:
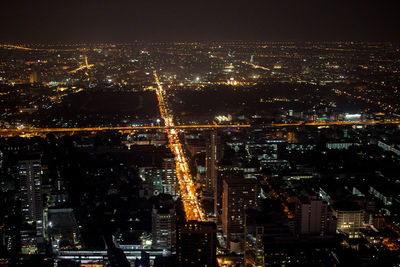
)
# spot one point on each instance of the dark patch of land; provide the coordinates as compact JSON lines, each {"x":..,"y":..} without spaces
{"x":101,"y":109}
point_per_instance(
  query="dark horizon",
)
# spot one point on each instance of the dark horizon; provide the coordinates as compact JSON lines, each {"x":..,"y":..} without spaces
{"x":124,"y":21}
{"x":52,"y":43}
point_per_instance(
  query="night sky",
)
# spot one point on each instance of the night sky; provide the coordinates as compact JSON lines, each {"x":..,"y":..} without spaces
{"x":166,"y":20}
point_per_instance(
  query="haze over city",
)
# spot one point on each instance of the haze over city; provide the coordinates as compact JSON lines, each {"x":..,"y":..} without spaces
{"x":178,"y":20}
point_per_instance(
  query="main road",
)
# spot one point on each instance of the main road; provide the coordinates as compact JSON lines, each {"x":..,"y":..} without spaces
{"x":38,"y":131}
{"x":191,"y":203}
{"x":35,"y":131}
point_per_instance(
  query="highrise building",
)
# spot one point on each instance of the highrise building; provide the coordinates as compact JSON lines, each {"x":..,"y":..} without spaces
{"x":196,"y":244}
{"x":238,"y":195}
{"x":212,"y":158}
{"x":31,"y":205}
{"x":264,"y":225}
{"x":221,"y":176}
{"x":164,"y":225}
{"x":314,"y":217}
{"x":170,"y":183}
{"x":350,"y":217}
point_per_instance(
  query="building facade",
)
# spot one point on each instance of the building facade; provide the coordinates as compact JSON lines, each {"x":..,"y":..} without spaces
{"x":314,"y":217}
{"x":196,"y":244}
{"x":31,"y":205}
{"x":238,"y":195}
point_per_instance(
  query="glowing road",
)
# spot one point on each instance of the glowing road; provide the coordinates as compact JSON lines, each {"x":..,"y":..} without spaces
{"x":52,"y":50}
{"x":255,"y":66}
{"x":38,"y":131}
{"x":85,"y":66}
{"x":33,"y":131}
{"x":170,"y":126}
{"x":191,"y":203}
{"x":335,"y":123}
{"x":16,"y":47}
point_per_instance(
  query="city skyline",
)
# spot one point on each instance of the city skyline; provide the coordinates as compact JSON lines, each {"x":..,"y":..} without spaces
{"x":193,"y":134}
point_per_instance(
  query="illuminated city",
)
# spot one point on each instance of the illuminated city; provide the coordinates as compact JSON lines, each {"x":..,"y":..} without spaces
{"x":207,"y":134}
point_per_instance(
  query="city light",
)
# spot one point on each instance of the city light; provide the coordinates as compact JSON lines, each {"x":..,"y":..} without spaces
{"x":187,"y":191}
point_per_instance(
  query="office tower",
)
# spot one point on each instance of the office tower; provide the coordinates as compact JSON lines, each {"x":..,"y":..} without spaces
{"x":196,"y":244}
{"x":268,"y":224}
{"x":170,"y":183}
{"x":31,"y":189}
{"x":212,"y":159}
{"x":314,"y":217}
{"x":221,"y":176}
{"x":350,"y":217}
{"x":238,"y":195}
{"x":164,"y":226}
{"x":31,"y":205}
{"x":254,"y":248}
{"x":218,"y":197}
